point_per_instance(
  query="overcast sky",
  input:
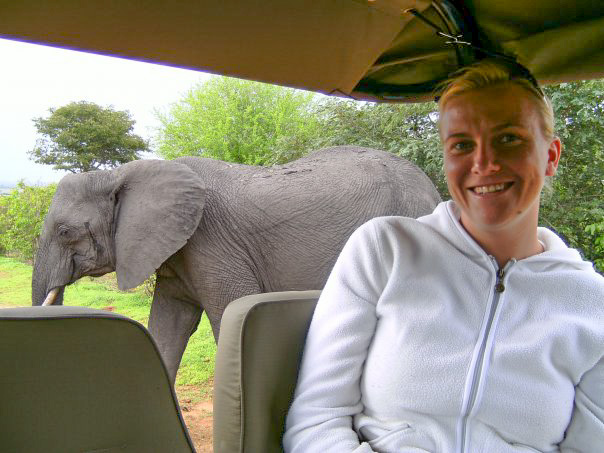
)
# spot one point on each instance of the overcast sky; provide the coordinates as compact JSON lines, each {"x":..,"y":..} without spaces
{"x":35,"y":78}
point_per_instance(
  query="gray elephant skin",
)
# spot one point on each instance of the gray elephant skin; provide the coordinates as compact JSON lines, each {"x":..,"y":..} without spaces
{"x":214,"y":231}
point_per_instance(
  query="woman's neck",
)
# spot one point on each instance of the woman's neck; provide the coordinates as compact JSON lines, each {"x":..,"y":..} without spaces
{"x":505,"y":244}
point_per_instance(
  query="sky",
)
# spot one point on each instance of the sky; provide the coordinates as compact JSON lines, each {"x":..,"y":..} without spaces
{"x":35,"y":78}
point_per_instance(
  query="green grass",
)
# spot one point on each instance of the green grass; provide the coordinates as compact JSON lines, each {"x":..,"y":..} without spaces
{"x":15,"y":283}
{"x":197,"y":366}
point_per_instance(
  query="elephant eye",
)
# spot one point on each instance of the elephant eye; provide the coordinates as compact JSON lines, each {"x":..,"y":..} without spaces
{"x":64,"y":233}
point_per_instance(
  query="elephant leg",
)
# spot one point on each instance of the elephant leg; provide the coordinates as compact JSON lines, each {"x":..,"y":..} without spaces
{"x":171,"y":323}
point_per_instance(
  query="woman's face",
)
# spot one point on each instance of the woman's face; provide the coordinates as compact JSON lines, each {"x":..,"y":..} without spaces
{"x":496,"y":158}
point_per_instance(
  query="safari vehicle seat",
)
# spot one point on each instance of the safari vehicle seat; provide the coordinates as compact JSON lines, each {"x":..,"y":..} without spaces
{"x":74,"y":379}
{"x":259,"y":349}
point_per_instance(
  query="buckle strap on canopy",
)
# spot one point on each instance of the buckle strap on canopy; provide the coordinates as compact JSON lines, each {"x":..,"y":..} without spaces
{"x":480,"y":51}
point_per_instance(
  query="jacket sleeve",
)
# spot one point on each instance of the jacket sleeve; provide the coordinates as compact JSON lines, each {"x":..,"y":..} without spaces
{"x":328,"y":392}
{"x":585,"y":433}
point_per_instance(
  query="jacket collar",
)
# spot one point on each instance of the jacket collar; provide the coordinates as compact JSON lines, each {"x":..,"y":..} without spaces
{"x":446,"y":220}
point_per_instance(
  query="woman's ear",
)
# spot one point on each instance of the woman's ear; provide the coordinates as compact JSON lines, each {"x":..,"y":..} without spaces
{"x":157,"y":207}
{"x":553,"y":156}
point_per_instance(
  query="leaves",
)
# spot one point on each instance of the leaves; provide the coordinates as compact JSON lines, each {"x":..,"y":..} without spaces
{"x":596,"y":231}
{"x":238,"y":121}
{"x":576,"y":201}
{"x":84,"y":136}
{"x":407,"y":130}
{"x":22,"y":215}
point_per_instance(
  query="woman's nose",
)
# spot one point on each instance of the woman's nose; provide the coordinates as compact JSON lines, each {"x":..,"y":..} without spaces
{"x":485,"y":160}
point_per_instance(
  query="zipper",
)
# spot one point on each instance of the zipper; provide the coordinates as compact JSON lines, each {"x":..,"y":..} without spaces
{"x":498,"y":289}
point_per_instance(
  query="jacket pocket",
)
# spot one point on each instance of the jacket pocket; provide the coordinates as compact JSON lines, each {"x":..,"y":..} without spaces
{"x":400,"y":439}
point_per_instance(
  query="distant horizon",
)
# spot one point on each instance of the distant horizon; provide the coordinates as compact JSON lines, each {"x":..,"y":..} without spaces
{"x":11,"y":184}
{"x":36,"y":78}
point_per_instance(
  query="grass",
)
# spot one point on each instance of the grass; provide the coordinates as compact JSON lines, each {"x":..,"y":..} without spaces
{"x":197,"y":366}
{"x":15,"y":283}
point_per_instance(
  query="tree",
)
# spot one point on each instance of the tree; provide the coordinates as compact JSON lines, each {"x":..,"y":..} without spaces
{"x":22,"y":214}
{"x":83,"y":136}
{"x":407,"y":130}
{"x":575,"y":204}
{"x":596,"y":230}
{"x":238,"y":121}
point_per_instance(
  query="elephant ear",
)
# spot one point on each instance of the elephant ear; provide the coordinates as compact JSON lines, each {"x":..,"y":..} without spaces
{"x":158,"y":206}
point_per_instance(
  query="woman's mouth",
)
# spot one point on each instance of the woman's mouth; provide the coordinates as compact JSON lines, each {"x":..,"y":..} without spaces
{"x":491,"y":188}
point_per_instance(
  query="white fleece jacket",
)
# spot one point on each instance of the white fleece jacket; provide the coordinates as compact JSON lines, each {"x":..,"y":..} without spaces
{"x":417,"y":345}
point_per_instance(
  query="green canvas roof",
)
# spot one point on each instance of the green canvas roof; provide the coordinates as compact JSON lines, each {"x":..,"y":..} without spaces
{"x":365,"y":49}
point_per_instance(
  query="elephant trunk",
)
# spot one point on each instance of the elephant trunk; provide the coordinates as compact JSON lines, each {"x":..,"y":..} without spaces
{"x":48,"y":279}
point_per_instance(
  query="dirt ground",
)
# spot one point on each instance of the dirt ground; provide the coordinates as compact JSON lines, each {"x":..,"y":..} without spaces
{"x":196,"y":407}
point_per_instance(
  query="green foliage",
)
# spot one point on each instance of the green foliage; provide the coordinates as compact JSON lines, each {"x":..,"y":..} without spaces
{"x":22,"y":216}
{"x":83,"y":136}
{"x":596,"y":230}
{"x":407,"y":130}
{"x":101,"y":293}
{"x":238,"y":121}
{"x":575,"y":206}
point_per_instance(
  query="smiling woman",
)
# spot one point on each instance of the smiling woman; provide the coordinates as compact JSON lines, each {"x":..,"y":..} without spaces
{"x":470,"y":329}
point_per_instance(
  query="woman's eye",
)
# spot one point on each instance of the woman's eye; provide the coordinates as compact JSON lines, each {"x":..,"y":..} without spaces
{"x":509,"y":139}
{"x":460,"y":147}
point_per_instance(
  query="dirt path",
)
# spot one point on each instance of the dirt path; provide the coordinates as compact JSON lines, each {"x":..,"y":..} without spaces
{"x":196,"y":408}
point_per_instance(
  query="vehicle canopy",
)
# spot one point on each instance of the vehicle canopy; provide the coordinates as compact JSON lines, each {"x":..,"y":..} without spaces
{"x":383,"y":50}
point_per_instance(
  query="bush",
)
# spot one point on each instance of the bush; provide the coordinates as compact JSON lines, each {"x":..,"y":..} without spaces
{"x":238,"y":121}
{"x":22,"y":216}
{"x":596,"y":230}
{"x":407,"y":130}
{"x":576,"y":205}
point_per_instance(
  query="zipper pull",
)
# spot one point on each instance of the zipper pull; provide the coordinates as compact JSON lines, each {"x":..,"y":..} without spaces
{"x":499,"y":286}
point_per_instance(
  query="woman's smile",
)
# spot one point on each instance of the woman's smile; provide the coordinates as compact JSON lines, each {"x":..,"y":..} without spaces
{"x":491,"y":188}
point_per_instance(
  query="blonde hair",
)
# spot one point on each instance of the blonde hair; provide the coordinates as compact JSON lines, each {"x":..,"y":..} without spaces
{"x":490,"y":72}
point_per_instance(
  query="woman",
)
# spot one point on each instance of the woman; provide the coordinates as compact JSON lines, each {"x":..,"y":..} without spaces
{"x":470,"y":329}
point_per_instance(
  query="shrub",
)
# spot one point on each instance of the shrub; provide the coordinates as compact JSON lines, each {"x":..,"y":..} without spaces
{"x":596,"y":230}
{"x":22,"y":215}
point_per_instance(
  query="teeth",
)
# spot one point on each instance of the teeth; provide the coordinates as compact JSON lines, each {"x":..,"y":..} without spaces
{"x":489,"y":189}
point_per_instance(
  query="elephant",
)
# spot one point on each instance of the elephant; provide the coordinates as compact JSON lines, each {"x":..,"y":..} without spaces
{"x":213,"y":231}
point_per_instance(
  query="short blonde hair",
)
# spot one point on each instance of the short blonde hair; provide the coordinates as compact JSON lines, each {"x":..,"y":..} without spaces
{"x":490,"y":72}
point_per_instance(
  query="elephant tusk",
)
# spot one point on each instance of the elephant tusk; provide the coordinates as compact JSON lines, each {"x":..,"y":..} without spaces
{"x":52,"y":295}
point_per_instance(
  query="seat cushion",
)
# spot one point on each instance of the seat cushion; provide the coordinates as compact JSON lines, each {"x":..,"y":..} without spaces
{"x":259,"y":350}
{"x":78,"y":379}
